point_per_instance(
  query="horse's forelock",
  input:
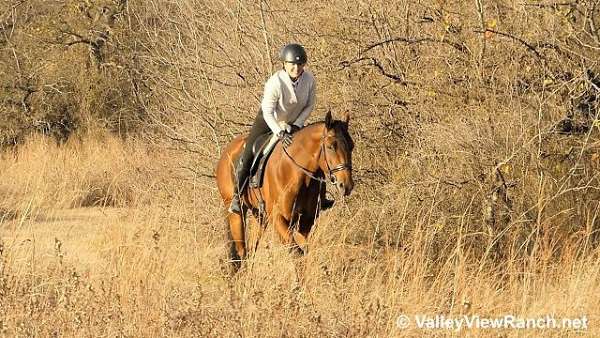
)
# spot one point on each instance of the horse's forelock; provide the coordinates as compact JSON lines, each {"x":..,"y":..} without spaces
{"x":340,"y":128}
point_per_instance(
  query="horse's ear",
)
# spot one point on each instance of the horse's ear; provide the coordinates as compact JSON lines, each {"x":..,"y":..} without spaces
{"x":328,"y":120}
{"x":346,"y":118}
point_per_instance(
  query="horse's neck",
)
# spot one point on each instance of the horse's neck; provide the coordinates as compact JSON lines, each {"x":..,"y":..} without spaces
{"x":306,"y":147}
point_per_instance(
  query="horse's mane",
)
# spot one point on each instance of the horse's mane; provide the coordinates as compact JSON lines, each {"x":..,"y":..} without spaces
{"x":340,"y":128}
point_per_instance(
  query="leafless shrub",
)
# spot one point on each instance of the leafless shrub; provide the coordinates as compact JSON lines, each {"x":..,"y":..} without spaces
{"x":476,"y":125}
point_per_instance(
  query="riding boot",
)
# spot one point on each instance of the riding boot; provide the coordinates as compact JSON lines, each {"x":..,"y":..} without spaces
{"x":326,"y":204}
{"x":241,"y":176}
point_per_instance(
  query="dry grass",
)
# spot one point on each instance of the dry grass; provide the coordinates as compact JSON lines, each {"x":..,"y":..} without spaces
{"x":476,"y":166}
{"x":158,"y":268}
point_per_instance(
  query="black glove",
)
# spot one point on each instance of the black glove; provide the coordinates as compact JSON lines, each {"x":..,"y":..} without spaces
{"x":294,"y":128}
{"x":285,"y":137}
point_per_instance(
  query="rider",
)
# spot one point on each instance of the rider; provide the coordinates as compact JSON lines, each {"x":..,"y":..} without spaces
{"x":288,"y":100}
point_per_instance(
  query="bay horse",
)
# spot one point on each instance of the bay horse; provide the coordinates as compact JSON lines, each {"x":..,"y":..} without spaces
{"x":293,"y":183}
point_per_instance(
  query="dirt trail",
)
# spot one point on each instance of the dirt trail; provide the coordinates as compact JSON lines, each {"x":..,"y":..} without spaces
{"x":77,"y":236}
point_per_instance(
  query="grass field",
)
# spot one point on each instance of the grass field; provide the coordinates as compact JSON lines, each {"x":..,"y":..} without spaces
{"x":476,"y":167}
{"x":157,"y":265}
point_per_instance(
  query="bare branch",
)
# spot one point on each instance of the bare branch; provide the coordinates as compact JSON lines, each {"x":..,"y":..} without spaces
{"x":85,"y":41}
{"x":458,"y":46}
{"x":265,"y":34}
{"x":551,"y":5}
{"x":593,"y":23}
{"x":512,"y":37}
{"x":374,"y":62}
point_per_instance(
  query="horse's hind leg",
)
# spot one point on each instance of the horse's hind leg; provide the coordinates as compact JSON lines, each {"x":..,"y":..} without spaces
{"x":258,"y":224}
{"x":238,"y":240}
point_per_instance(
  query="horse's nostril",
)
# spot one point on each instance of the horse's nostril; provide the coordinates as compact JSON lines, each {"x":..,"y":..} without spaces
{"x":348,"y":189}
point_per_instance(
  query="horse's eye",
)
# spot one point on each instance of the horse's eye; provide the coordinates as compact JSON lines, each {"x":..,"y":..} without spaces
{"x":332,"y":146}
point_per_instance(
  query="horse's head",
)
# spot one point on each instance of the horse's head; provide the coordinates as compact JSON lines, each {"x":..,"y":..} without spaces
{"x":336,"y":159}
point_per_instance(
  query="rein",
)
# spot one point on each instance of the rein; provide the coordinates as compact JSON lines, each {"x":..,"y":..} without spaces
{"x":304,"y":170}
{"x":331,"y":178}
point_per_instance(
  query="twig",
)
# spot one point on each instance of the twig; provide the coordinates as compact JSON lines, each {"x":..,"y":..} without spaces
{"x":13,"y":7}
{"x":553,"y":5}
{"x":593,"y":24}
{"x":265,"y":36}
{"x":523,"y":42}
{"x":87,"y":42}
{"x":479,"y":5}
{"x":198,"y":173}
{"x":459,"y":46}
{"x":374,"y":62}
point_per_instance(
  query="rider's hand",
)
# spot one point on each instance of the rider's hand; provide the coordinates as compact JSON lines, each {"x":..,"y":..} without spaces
{"x":285,"y":137}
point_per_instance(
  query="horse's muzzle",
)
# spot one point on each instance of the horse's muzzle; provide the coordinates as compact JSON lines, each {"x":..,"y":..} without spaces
{"x":344,"y":188}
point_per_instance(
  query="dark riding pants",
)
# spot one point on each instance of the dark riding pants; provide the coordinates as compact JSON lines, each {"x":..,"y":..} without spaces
{"x":259,"y":128}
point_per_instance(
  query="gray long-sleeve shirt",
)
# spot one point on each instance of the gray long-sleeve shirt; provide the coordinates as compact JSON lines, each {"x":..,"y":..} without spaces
{"x":282,"y":102}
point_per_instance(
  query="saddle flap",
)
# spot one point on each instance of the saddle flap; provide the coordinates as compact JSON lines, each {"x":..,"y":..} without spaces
{"x":260,"y":143}
{"x":269,"y":147}
{"x":260,"y":160}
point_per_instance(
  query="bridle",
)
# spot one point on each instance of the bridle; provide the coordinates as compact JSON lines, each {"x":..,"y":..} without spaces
{"x":339,"y":167}
{"x":331,"y":171}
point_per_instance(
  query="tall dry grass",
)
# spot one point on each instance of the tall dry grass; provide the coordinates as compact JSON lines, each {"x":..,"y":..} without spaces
{"x":156,"y":265}
{"x":102,"y":171}
{"x":475,"y":166}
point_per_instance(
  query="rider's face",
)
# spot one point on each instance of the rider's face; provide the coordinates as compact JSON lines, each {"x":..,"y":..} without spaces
{"x":294,"y":70}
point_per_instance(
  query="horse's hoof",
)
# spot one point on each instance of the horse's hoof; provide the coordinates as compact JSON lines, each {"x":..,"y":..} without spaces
{"x":327,"y":204}
{"x":298,"y":252}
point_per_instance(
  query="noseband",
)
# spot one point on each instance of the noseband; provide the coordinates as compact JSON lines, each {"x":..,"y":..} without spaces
{"x":339,"y":167}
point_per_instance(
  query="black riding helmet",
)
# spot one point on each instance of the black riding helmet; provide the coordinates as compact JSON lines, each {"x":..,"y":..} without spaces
{"x":293,"y":53}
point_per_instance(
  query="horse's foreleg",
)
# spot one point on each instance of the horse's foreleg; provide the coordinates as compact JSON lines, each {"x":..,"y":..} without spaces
{"x":283,"y":229}
{"x":236,"y":228}
{"x":289,"y":237}
{"x":305,"y":223}
{"x":300,"y":240}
